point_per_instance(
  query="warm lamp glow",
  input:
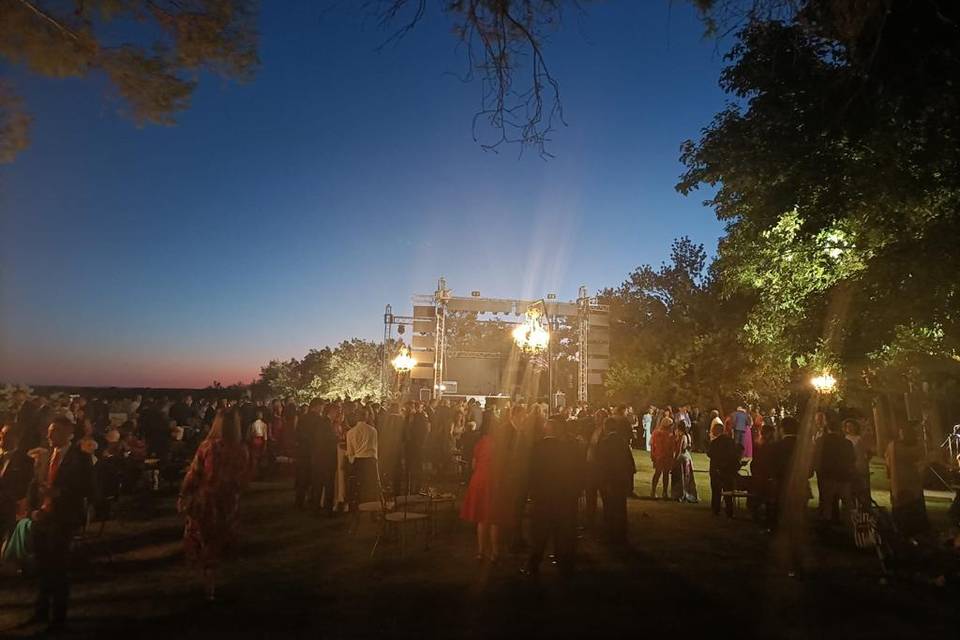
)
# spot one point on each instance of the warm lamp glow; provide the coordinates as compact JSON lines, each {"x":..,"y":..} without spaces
{"x":531,"y":335}
{"x":824,"y":383}
{"x":404,"y":361}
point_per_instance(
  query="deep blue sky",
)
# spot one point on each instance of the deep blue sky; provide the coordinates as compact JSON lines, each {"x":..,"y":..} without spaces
{"x":282,"y":214}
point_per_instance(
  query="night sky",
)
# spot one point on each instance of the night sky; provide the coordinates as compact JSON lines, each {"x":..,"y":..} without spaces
{"x":283,"y":214}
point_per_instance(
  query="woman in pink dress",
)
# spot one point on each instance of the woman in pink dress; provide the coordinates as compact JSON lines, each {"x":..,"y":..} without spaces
{"x":478,"y":504}
{"x":210,"y":496}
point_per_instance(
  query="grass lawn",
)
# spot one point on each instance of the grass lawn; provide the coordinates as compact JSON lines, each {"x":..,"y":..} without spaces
{"x":297,"y":575}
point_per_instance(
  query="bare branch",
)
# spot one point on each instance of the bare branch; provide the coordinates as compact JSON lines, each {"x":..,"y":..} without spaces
{"x":46,"y":17}
{"x":501,"y":38}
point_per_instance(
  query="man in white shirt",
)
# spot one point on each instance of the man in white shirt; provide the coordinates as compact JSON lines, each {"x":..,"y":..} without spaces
{"x":716,"y":424}
{"x":362,"y":454}
{"x":258,"y":441}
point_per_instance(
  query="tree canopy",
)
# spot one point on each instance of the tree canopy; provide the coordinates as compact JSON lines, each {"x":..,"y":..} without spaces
{"x":836,"y":171}
{"x":150,"y":51}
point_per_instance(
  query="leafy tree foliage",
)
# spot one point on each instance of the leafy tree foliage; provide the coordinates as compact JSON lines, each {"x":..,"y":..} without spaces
{"x":838,"y":174}
{"x":677,"y":340}
{"x":149,"y":50}
{"x":351,"y":369}
{"x":355,"y":370}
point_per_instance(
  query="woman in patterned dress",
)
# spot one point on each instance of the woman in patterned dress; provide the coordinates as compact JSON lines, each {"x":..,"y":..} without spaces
{"x":684,"y":483}
{"x":210,"y":496}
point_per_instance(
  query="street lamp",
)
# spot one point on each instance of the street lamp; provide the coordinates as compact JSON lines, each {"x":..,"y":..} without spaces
{"x":824,"y":383}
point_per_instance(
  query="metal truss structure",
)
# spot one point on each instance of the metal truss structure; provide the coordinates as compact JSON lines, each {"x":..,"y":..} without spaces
{"x":429,"y":339}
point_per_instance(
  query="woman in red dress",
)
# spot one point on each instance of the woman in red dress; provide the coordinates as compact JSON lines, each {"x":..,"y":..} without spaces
{"x":663,"y":454}
{"x":478,"y":504}
{"x":210,"y":496}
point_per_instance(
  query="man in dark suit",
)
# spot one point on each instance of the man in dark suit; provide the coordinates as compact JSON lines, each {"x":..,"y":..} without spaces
{"x":724,"y":456}
{"x":621,"y":425}
{"x":389,"y":442}
{"x":155,"y":427}
{"x":415,"y":434}
{"x":553,"y":489}
{"x":182,"y":411}
{"x":781,"y":458}
{"x":16,"y":472}
{"x":324,"y":461}
{"x":439,"y":442}
{"x":306,"y":433}
{"x":834,"y":461}
{"x":615,"y":462}
{"x":62,"y":489}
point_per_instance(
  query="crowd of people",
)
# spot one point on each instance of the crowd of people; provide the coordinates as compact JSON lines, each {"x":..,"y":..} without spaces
{"x":63,"y":462}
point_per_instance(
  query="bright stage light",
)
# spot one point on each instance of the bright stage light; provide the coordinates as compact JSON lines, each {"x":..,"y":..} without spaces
{"x":824,"y":383}
{"x":404,"y":361}
{"x":531,"y":335}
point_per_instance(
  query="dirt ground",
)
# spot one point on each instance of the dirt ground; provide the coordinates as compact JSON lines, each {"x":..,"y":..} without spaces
{"x":297,"y":575}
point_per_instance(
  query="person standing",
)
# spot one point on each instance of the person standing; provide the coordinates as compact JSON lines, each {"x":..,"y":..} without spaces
{"x":325,"y":459}
{"x":62,"y":487}
{"x":904,"y":458}
{"x":663,"y":455}
{"x":259,"y":435}
{"x":742,"y":422}
{"x":592,"y":473}
{"x":478,"y":503}
{"x":647,"y":424}
{"x":155,"y":427}
{"x":616,"y":468}
{"x":362,"y":456}
{"x":182,"y":411}
{"x":834,"y":461}
{"x":782,"y":455}
{"x":761,"y":485}
{"x":306,"y":434}
{"x":291,"y":415}
{"x":625,"y":429}
{"x":439,"y":440}
{"x":724,"y":456}
{"x":341,"y":477}
{"x":16,"y":473}
{"x":755,"y":427}
{"x":792,"y":494}
{"x":475,"y":412}
{"x":210,"y":497}
{"x":684,"y":483}
{"x":277,"y":434}
{"x":390,"y":447}
{"x":554,"y":488}
{"x":863,"y":452}
{"x":415,"y":434}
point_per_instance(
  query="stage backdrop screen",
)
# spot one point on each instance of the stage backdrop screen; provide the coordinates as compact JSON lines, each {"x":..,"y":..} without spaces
{"x":474,"y":376}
